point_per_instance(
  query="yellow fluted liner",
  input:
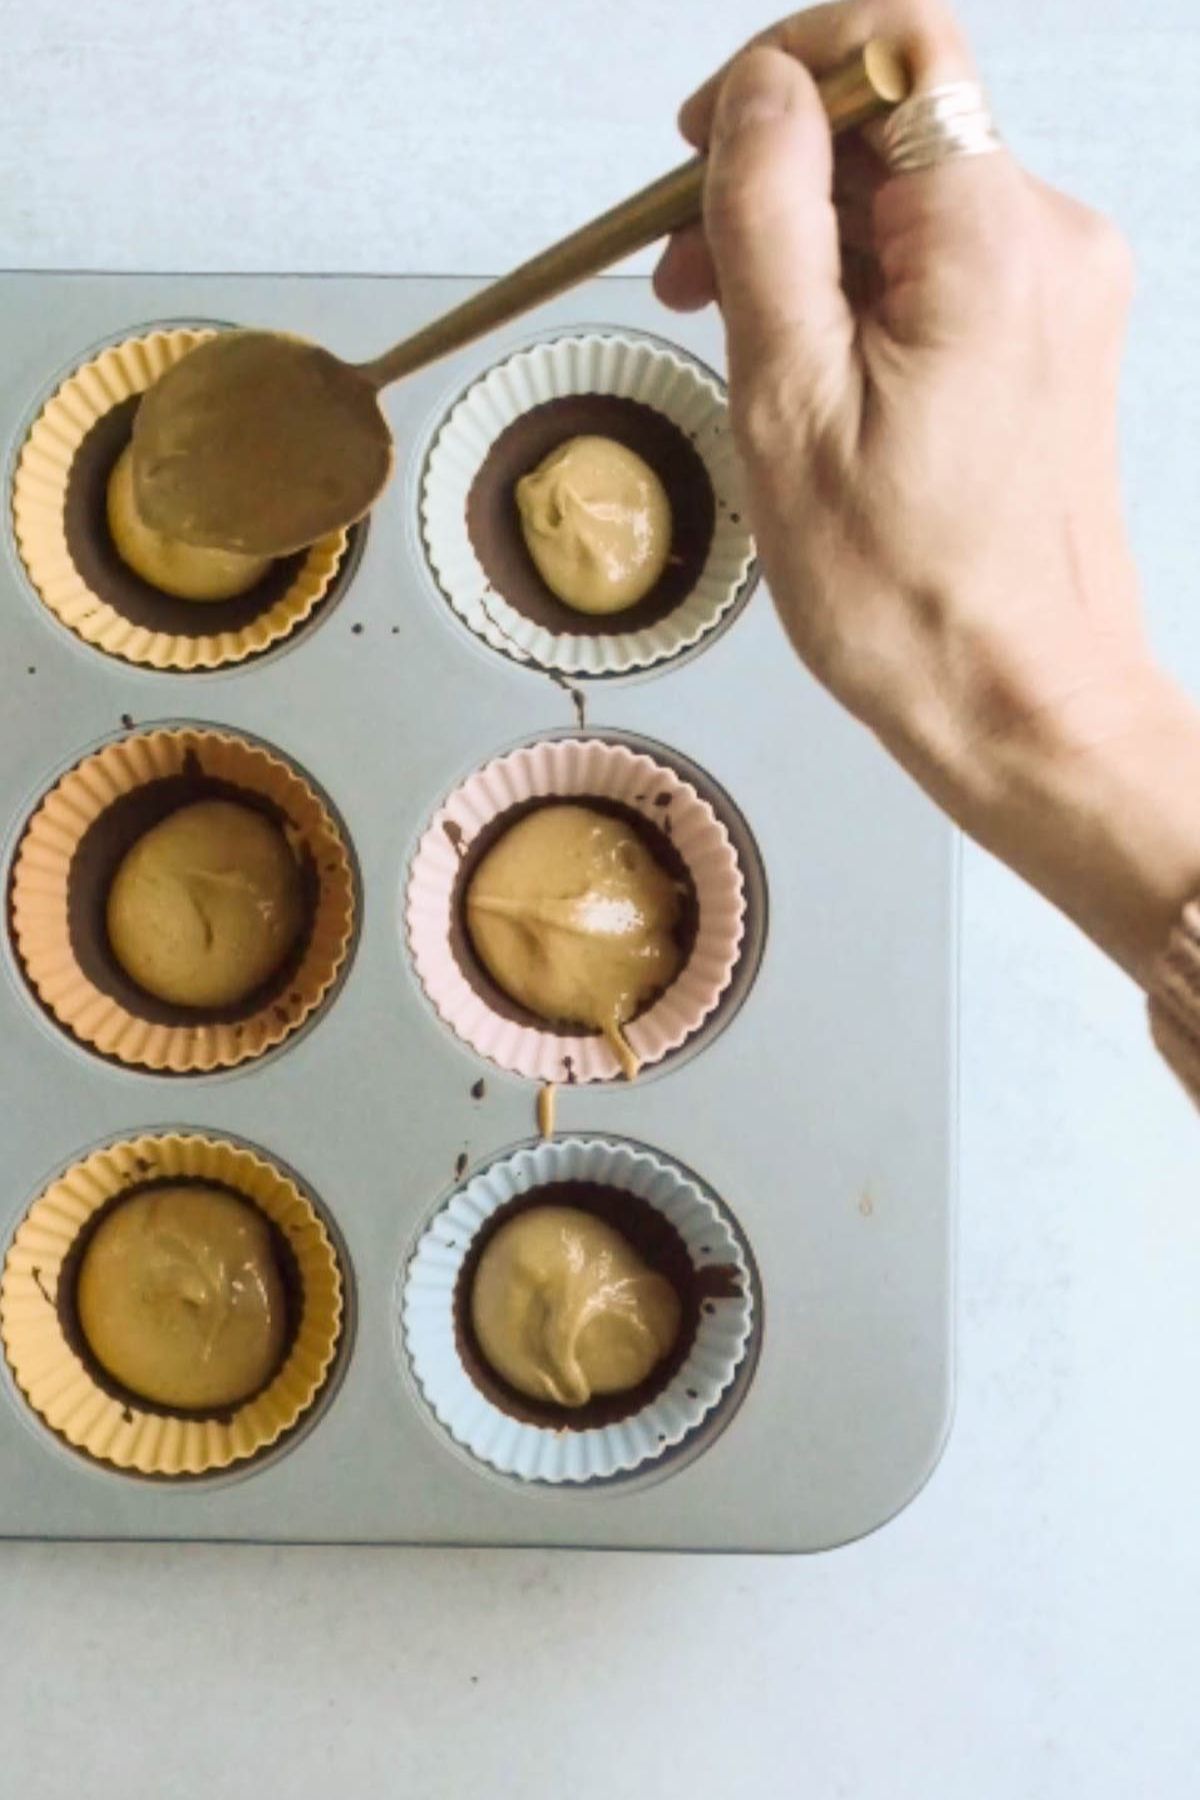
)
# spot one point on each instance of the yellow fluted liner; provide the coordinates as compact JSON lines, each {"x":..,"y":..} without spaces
{"x":55,"y":1381}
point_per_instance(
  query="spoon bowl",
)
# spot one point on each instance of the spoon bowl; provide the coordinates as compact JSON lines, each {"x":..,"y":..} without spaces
{"x":260,"y":443}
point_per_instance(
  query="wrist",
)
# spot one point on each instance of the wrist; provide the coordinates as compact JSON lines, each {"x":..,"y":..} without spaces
{"x":1097,"y":803}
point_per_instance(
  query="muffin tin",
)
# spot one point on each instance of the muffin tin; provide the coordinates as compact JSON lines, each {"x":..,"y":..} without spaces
{"x":815,"y":1107}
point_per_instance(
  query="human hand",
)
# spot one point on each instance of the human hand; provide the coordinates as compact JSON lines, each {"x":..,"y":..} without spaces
{"x":923,"y":386}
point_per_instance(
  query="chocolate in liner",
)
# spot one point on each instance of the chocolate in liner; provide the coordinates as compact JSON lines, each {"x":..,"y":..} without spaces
{"x":494,"y":524}
{"x":66,"y":1302}
{"x":94,"y":865}
{"x":660,"y":1247}
{"x":89,"y":542}
{"x":655,"y":839}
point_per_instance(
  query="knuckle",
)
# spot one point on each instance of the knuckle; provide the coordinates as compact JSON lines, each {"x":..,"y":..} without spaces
{"x":1013,"y":273}
{"x":962,"y":227}
{"x":1095,"y":242}
{"x":748,"y":192}
{"x":739,"y":202}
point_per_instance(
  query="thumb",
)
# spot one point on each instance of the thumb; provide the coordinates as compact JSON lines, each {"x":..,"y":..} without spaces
{"x":770,"y":220}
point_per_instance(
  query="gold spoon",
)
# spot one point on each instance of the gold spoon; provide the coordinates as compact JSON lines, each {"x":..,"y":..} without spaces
{"x":262,"y":443}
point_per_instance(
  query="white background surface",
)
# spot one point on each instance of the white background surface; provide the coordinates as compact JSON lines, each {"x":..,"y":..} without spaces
{"x":1026,"y":1631}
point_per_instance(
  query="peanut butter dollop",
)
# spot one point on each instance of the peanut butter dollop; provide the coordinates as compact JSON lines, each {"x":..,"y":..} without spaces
{"x":597,"y":523}
{"x":206,"y":905}
{"x":563,"y":1307}
{"x":180,"y":1297}
{"x":184,"y":570}
{"x":574,"y":919}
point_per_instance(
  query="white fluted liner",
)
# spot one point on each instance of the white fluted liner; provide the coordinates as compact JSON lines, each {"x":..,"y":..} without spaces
{"x":576,"y":769}
{"x":632,"y":368}
{"x":537,"y":1453}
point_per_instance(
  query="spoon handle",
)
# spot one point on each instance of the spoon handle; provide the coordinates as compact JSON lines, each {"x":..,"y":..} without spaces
{"x":869,"y":84}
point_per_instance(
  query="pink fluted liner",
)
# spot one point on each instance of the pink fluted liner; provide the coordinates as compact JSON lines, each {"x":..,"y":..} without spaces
{"x":576,"y":769}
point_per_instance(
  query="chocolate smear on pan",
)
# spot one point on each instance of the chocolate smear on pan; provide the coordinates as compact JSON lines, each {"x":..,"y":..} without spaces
{"x":575,"y":694}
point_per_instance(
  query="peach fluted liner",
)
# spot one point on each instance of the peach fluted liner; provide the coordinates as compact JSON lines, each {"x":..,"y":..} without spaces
{"x":39,"y":900}
{"x":577,"y":769}
{"x":39,"y":520}
{"x":55,"y":1381}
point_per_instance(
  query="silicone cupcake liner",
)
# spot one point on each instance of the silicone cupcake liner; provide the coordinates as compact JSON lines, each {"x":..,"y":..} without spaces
{"x":628,"y":367}
{"x":574,"y":768}
{"x":39,"y":521}
{"x":56,"y":1382}
{"x":537,"y":1453}
{"x":40,"y":902}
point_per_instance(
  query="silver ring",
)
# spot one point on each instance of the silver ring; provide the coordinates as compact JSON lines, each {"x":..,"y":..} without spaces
{"x":937,"y":126}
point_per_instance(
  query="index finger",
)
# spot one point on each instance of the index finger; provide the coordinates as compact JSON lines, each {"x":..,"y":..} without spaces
{"x":926,"y":31}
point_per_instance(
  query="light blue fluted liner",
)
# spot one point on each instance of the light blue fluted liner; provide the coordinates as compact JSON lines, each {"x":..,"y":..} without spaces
{"x":538,"y":1453}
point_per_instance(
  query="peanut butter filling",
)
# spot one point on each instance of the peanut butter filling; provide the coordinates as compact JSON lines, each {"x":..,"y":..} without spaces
{"x":564,"y":1309}
{"x":597,"y":524}
{"x":206,"y":905}
{"x":575,"y":920}
{"x":180,"y":1297}
{"x":184,"y":570}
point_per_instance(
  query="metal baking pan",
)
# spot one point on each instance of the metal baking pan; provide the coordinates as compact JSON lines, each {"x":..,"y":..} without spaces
{"x":822,"y":1114}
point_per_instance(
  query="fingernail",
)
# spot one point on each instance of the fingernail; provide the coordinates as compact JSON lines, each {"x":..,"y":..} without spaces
{"x":759,"y":88}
